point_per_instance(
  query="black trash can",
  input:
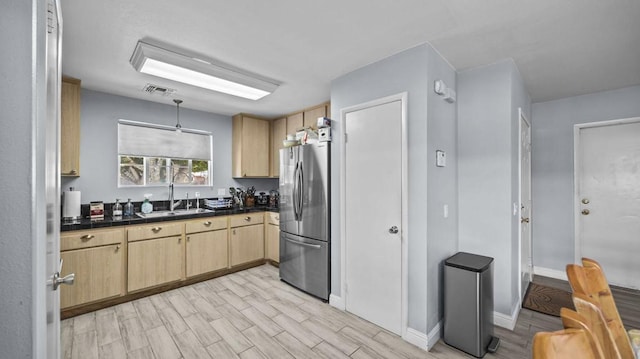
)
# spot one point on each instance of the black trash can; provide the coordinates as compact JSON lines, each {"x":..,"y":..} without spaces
{"x":468,"y":303}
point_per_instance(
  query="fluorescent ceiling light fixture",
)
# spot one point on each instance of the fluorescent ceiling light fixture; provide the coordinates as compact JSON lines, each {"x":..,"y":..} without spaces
{"x":191,"y":70}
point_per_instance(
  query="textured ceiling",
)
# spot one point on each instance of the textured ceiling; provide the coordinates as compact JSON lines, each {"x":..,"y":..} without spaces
{"x":562,"y":48}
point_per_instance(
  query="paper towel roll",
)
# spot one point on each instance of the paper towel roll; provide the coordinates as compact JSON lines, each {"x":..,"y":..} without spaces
{"x":71,"y":205}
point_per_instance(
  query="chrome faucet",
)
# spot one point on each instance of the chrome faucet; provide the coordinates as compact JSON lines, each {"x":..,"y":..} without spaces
{"x":172,"y":204}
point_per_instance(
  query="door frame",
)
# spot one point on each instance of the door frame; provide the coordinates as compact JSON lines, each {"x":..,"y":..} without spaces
{"x":576,"y":175}
{"x":523,"y":117}
{"x":402,"y":97}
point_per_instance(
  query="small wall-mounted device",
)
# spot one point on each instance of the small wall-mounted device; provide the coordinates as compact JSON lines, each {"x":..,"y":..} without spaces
{"x":439,"y":87}
{"x":448,"y":94}
{"x":441,"y":158}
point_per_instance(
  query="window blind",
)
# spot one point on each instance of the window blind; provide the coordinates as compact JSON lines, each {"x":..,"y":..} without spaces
{"x":149,"y":140}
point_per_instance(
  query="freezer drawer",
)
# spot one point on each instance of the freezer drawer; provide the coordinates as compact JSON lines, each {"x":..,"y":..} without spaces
{"x":304,"y":263}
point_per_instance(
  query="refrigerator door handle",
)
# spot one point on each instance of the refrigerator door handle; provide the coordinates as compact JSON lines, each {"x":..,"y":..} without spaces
{"x":301,"y":191}
{"x":303,"y":244}
{"x":295,"y":193}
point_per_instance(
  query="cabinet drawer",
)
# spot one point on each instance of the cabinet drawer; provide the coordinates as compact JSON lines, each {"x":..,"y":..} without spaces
{"x":206,"y":224}
{"x":246,"y":219}
{"x":273,"y":218}
{"x":90,"y":238}
{"x":157,"y":230}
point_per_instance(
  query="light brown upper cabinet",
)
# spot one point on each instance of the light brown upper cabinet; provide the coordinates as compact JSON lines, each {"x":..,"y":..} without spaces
{"x":311,"y":115}
{"x":70,"y":127}
{"x":295,"y":122}
{"x":250,"y":145}
{"x":278,"y":134}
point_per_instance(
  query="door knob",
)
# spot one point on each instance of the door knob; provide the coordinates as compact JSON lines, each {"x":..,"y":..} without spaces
{"x":393,"y":230}
{"x":585,"y":212}
{"x":585,"y":201}
{"x":524,"y":220}
{"x":68,"y":279}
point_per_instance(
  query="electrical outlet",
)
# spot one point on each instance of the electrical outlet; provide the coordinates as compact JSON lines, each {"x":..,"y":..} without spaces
{"x":221,"y":192}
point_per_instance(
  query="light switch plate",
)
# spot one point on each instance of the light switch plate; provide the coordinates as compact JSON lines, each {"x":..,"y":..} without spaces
{"x":221,"y":192}
{"x":441,"y":158}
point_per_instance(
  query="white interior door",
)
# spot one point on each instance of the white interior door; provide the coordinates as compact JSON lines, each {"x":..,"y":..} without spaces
{"x":608,"y":199}
{"x":52,"y":184}
{"x":373,"y":233}
{"x":526,"y":272}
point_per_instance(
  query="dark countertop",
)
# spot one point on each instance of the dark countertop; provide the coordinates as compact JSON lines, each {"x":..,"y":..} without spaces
{"x":128,"y":220}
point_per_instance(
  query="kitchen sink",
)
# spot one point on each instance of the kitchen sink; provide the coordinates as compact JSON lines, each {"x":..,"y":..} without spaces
{"x":175,"y":213}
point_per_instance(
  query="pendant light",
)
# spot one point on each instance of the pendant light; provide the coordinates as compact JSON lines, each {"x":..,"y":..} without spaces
{"x":178,"y":125}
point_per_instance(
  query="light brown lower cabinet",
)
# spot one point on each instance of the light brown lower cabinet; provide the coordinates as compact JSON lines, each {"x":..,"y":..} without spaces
{"x":154,"y":262}
{"x":272,"y":236}
{"x":97,"y":257}
{"x":207,"y":252}
{"x":247,"y":244}
{"x":98,"y":273}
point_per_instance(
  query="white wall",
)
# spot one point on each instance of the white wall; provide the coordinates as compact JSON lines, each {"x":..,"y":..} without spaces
{"x":21,"y":312}
{"x":407,"y":71}
{"x":488,"y":101}
{"x":100,"y":113}
{"x":552,"y":166}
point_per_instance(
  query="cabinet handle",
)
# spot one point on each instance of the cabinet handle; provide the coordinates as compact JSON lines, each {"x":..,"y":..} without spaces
{"x":87,"y":237}
{"x":156,"y":229}
{"x":207,"y":223}
{"x":248,"y":219}
{"x":71,"y":173}
{"x":117,"y":247}
{"x":188,"y":238}
{"x":234,"y":232}
{"x":277,"y":218}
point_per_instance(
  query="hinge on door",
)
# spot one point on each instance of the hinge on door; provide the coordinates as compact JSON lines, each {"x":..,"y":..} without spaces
{"x":346,"y":288}
{"x":345,"y":138}
{"x":50,"y":24}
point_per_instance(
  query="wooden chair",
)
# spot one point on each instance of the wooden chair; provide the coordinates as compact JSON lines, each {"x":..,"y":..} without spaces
{"x":564,"y":344}
{"x":574,"y":320}
{"x":589,"y":281}
{"x":592,"y":318}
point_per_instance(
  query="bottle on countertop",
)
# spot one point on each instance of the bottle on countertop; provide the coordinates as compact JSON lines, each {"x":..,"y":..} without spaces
{"x":146,"y":207}
{"x":117,"y":209}
{"x":128,"y":208}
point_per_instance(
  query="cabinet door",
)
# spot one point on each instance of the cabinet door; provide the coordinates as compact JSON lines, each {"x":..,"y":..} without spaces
{"x":251,"y":150}
{"x":311,"y":116}
{"x":278,"y":134}
{"x":272,"y":242}
{"x":154,"y":262}
{"x":247,"y":244}
{"x":294,"y":123}
{"x":99,"y":274}
{"x":70,"y":127}
{"x":206,"y":252}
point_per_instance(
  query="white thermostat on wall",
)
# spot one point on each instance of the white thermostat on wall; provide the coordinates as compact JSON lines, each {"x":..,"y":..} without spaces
{"x":441,"y":158}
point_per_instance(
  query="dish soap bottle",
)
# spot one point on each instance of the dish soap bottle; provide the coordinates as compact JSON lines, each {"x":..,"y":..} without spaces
{"x":128,"y":208}
{"x":147,"y":207}
{"x":117,"y":209}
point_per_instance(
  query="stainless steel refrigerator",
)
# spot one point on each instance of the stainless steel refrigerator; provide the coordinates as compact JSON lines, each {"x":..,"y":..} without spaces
{"x":305,"y":218}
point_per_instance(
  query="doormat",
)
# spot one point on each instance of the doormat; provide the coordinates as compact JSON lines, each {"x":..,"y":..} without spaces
{"x":547,"y":300}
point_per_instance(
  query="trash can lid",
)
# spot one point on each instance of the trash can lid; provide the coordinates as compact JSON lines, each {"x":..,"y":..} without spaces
{"x":468,"y":261}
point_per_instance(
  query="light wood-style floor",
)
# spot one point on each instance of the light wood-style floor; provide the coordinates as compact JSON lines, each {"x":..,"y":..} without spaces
{"x":251,"y":314}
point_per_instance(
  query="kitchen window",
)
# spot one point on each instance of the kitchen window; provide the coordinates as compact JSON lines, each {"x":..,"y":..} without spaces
{"x":154,"y":155}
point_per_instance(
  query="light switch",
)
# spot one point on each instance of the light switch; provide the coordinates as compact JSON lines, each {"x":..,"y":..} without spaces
{"x":441,"y":158}
{"x":221,"y":192}
{"x":445,"y":211}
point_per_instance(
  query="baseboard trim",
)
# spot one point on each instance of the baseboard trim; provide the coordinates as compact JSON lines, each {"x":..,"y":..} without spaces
{"x":551,"y":273}
{"x":506,"y":321}
{"x":336,"y":302}
{"x":416,"y":338}
{"x":434,"y":335}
